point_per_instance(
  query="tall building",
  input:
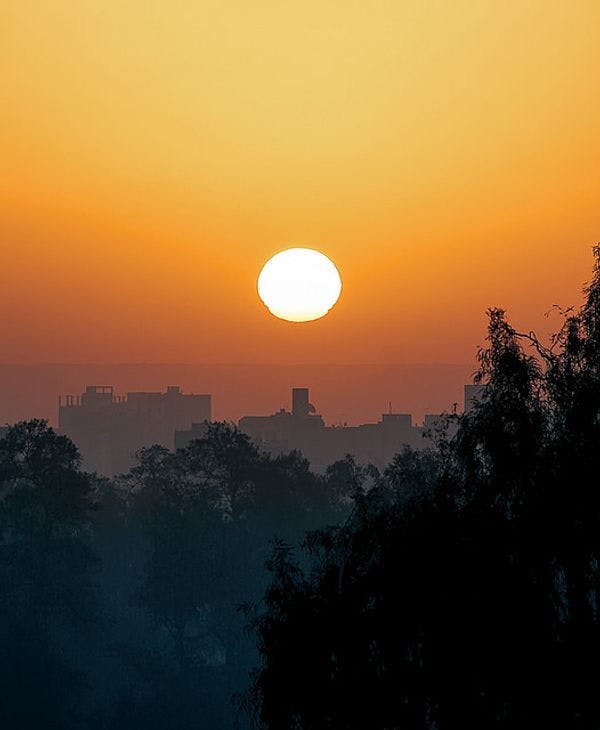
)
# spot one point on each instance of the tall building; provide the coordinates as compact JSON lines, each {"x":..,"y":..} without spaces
{"x":108,"y":429}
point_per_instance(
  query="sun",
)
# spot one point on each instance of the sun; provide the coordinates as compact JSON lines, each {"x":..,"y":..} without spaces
{"x":299,"y":284}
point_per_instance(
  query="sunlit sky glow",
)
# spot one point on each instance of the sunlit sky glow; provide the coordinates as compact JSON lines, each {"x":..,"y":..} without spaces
{"x":155,"y":154}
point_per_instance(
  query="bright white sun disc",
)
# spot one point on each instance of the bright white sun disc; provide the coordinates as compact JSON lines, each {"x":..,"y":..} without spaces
{"x":299,"y":284}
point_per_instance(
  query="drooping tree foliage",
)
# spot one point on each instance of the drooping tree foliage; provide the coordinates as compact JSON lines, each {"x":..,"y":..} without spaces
{"x":472,"y":601}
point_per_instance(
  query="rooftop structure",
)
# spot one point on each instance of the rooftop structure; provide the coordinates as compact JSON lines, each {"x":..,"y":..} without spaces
{"x":377,"y":443}
{"x":108,"y":429}
{"x":303,"y":429}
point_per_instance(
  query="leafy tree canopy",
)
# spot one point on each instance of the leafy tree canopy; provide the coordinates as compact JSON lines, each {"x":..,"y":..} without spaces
{"x":463,"y":590}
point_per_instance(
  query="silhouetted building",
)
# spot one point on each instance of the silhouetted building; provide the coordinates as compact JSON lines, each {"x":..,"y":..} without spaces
{"x":184,"y":436}
{"x":473,"y":394}
{"x":439,"y":425}
{"x":109,"y":429}
{"x":3,"y":431}
{"x":374,"y":443}
{"x":305,"y":430}
{"x":300,"y":405}
{"x":434,"y":422}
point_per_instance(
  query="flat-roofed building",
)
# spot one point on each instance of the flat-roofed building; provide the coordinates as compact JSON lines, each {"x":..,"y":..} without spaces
{"x":303,"y":429}
{"x":108,"y":429}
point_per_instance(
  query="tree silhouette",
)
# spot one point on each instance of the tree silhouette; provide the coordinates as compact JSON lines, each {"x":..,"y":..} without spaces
{"x":45,"y":564}
{"x":208,"y":513}
{"x":463,"y":591}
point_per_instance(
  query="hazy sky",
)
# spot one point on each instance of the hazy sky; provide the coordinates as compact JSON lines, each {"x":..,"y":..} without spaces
{"x":445,"y":155}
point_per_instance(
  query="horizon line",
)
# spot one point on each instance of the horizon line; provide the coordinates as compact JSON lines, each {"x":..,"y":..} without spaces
{"x":233,"y":364}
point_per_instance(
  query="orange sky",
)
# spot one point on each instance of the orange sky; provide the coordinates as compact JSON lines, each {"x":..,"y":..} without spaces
{"x":445,"y":155}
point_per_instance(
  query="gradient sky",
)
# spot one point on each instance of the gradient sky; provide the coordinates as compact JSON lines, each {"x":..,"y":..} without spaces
{"x":445,"y":155}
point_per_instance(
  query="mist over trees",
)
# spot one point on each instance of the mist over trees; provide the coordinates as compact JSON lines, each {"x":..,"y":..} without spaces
{"x":122,"y":601}
{"x":218,"y":586}
{"x":46,"y":564}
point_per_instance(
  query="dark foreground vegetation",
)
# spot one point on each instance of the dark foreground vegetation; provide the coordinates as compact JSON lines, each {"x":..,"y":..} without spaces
{"x":468,"y":596}
{"x":121,"y":601}
{"x":460,"y":589}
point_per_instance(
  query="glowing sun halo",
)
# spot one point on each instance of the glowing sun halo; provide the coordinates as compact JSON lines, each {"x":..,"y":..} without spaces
{"x":299,"y":284}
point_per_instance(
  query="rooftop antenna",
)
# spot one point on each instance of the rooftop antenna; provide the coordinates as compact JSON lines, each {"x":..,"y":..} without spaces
{"x":390,"y":407}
